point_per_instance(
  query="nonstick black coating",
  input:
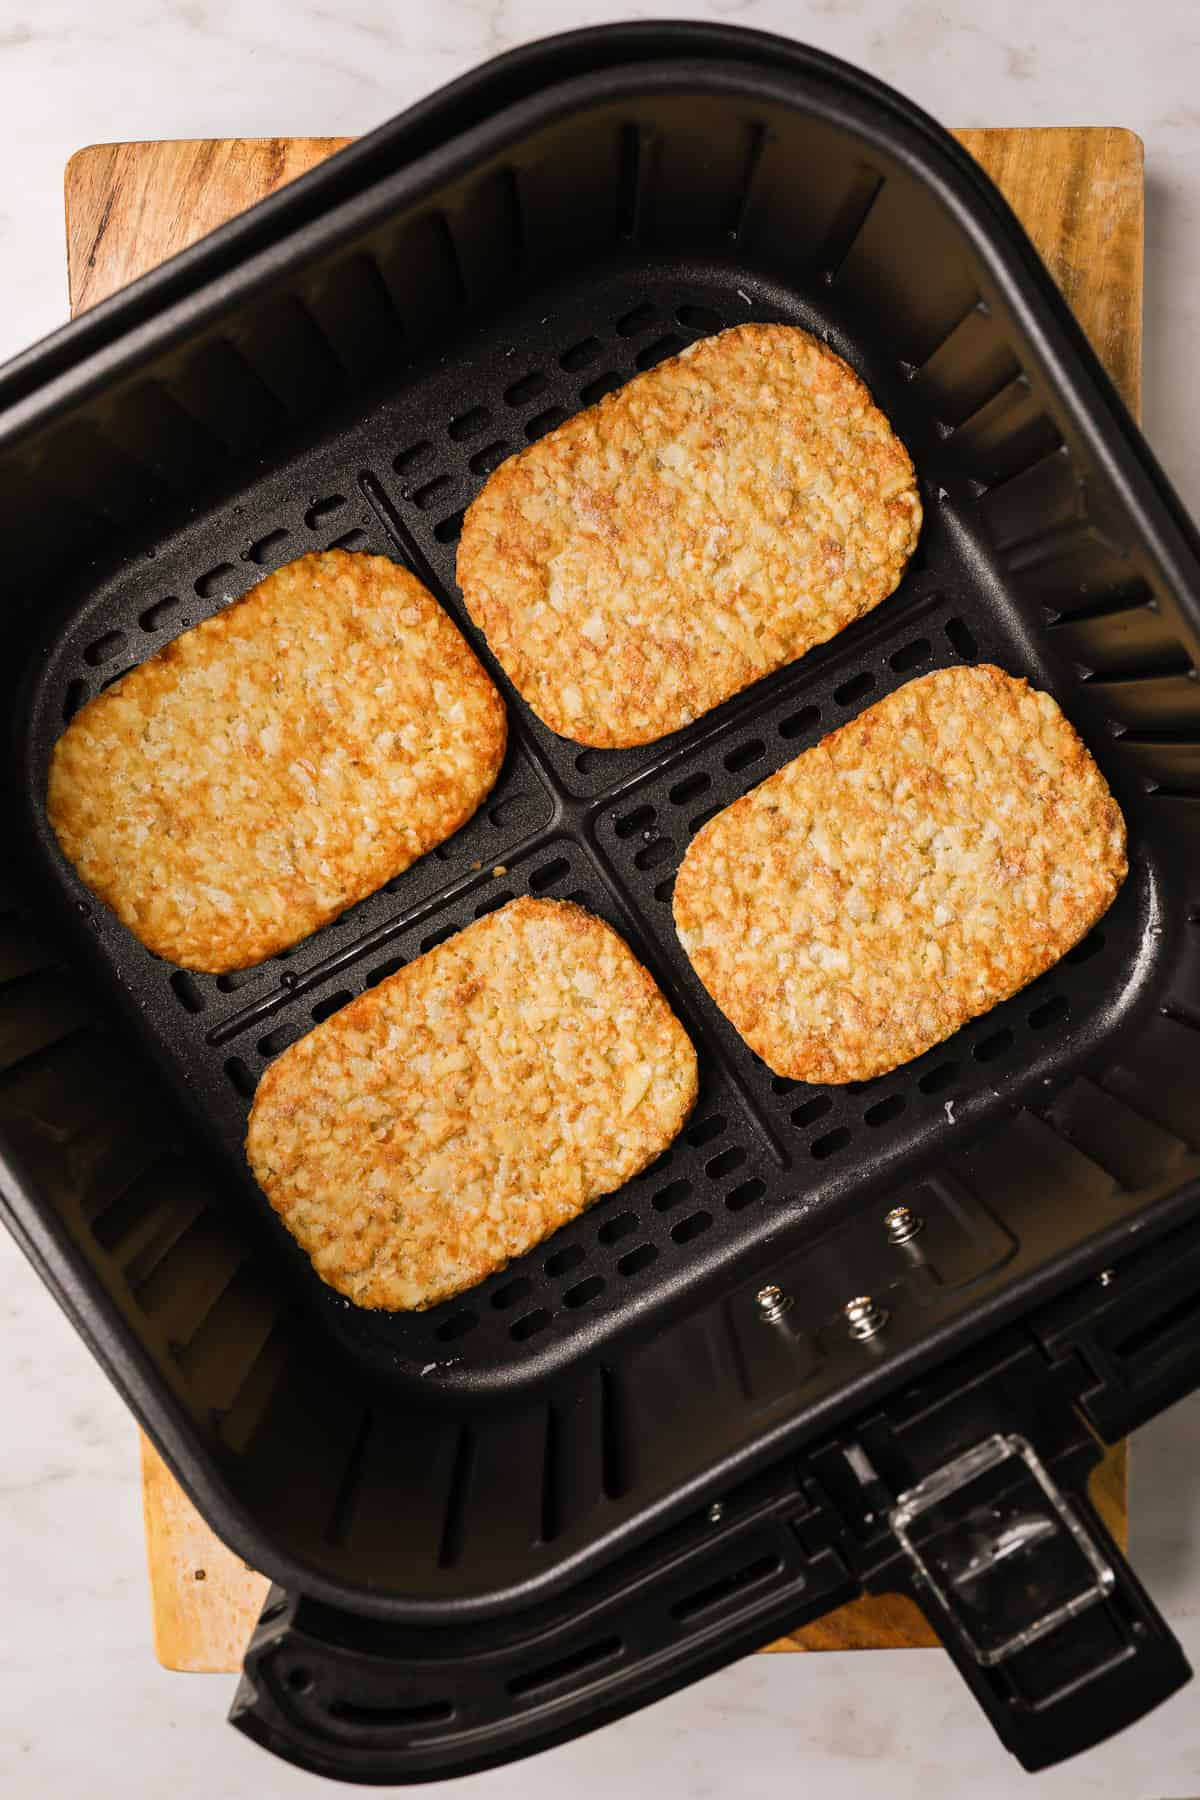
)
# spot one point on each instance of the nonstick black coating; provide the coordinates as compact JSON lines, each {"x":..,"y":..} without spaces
{"x":605,"y":828}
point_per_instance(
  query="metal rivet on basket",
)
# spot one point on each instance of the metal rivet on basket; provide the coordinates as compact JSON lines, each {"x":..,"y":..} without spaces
{"x":773,"y":1302}
{"x":1107,"y":1277}
{"x":863,"y":1316}
{"x":716,"y":1513}
{"x":902,"y":1224}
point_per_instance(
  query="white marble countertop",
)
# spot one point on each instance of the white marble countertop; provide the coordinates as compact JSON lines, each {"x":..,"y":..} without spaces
{"x":83,"y":1706}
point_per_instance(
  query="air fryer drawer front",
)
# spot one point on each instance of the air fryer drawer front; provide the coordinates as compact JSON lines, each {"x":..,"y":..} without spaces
{"x":969,"y":1494}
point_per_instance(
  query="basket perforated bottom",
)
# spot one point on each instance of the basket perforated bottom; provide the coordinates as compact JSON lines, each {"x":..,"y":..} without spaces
{"x":606,"y":828}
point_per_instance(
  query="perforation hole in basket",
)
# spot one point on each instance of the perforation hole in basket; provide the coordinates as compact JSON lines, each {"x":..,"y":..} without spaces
{"x":937,"y":1080}
{"x":449,"y":530}
{"x":238,"y":978}
{"x":588,"y":761}
{"x":511,"y":1293}
{"x":653,"y":1170}
{"x":265,"y":549}
{"x":745,"y":1194}
{"x":75,"y":695}
{"x":581,"y":355}
{"x":493,"y":902}
{"x":664,"y":889}
{"x":489,"y":458}
{"x":424,"y":496}
{"x":640,"y":1257}
{"x":456,"y":1326}
{"x":543,"y":422}
{"x":909,"y":656}
{"x":811,"y":1110}
{"x":884,"y":1111}
{"x":725,"y":1162}
{"x":1050,"y":1012}
{"x":699,"y":318}
{"x":392,"y":966}
{"x":409,"y":460}
{"x":116,"y":676}
{"x":857,"y":688}
{"x":998,"y":1044}
{"x":239,"y":1076}
{"x":332,"y":1003}
{"x":690,"y":788}
{"x":692,"y":1227}
{"x":704,"y":815}
{"x":103,"y":649}
{"x":526,"y":389}
{"x":219,"y":583}
{"x":797,"y":723}
{"x":640,"y":819}
{"x":783,"y":1084}
{"x":437,"y":937}
{"x":162,"y":613}
{"x":637,"y":319}
{"x":603,"y":384}
{"x":743,"y":755}
{"x":961,"y":640}
{"x":583,"y":1291}
{"x":187,"y":991}
{"x":319,"y":514}
{"x":829,"y":1145}
{"x":548,"y":875}
{"x":350,"y":540}
{"x":279,"y":1039}
{"x":671,"y":1196}
{"x":530,"y":1325}
{"x":1086,"y":948}
{"x":563,"y":1261}
{"x":469,"y":424}
{"x":623,"y":1225}
{"x":659,"y":350}
{"x":705,"y":1130}
{"x":651,"y":855}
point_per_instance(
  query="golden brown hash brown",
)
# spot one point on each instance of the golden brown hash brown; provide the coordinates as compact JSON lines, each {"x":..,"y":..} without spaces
{"x":278,"y":762}
{"x":913,"y":869}
{"x":455,"y":1115}
{"x":706,"y":523}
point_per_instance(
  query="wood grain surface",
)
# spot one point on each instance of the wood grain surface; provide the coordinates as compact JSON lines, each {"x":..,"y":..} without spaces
{"x":1079,"y":193}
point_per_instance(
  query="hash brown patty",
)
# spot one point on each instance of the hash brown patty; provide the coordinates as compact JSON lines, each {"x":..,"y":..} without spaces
{"x":706,"y":523}
{"x":456,"y":1114}
{"x":278,"y":762}
{"x":910,"y":871}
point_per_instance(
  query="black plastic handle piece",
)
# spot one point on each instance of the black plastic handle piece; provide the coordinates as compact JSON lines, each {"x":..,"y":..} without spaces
{"x":1084,"y":1682}
{"x":1046,"y":1622}
{"x":968,"y":1493}
{"x":971,"y":1497}
{"x":1129,"y":1341}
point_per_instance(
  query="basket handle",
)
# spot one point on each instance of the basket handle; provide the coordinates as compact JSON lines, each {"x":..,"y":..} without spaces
{"x":1040,"y":1612}
{"x":352,"y":1699}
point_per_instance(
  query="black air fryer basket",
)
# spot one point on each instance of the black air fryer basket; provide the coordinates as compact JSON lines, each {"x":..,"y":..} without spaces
{"x":661,"y":1438}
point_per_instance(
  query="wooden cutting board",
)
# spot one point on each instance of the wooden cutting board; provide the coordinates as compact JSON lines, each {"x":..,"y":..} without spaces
{"x":1079,"y":193}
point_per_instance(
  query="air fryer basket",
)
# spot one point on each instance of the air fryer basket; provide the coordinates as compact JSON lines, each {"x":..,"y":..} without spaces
{"x":624,"y":1459}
